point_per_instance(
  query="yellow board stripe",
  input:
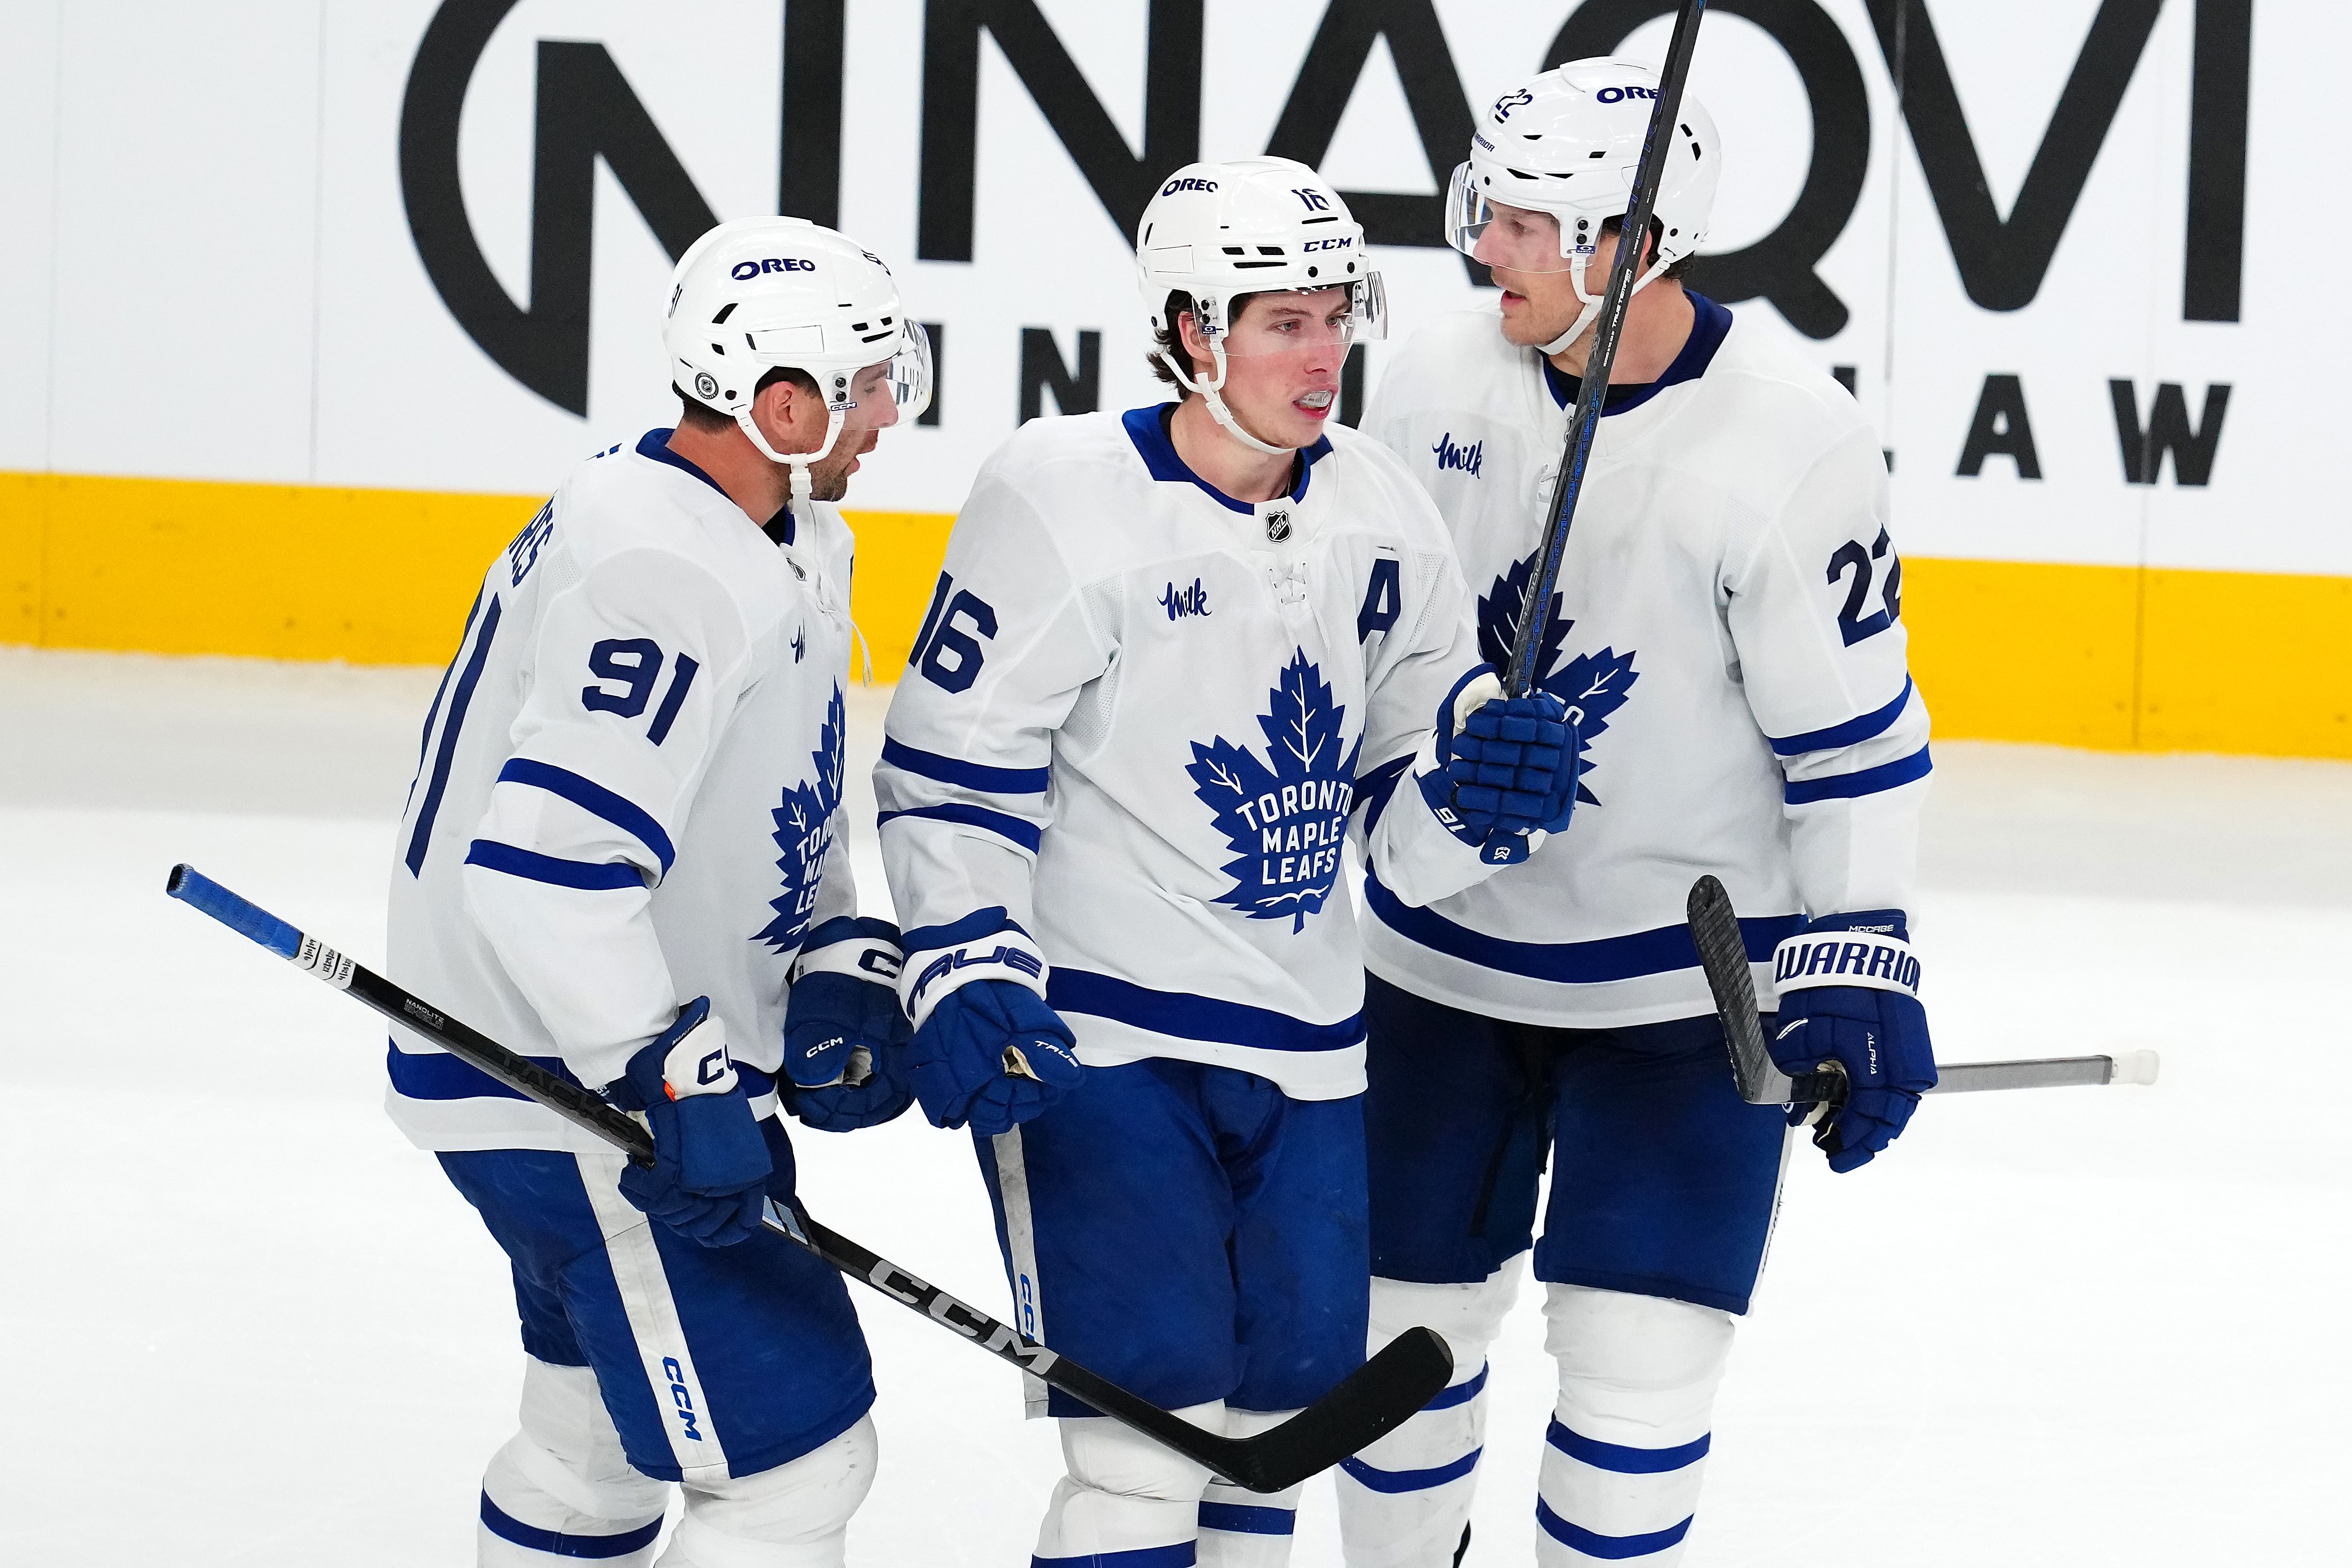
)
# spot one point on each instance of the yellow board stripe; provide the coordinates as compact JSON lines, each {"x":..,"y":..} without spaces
{"x":2118,"y":658}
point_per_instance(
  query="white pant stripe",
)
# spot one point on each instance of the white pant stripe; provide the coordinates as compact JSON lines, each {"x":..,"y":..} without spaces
{"x":654,"y":1322}
{"x":1020,"y":1233}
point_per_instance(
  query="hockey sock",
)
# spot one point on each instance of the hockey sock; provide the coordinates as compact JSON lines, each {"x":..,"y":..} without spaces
{"x":562,"y":1488}
{"x":1125,"y":1501}
{"x":1628,"y":1441}
{"x":795,"y":1515}
{"x":1404,"y":1501}
{"x":1243,"y":1529}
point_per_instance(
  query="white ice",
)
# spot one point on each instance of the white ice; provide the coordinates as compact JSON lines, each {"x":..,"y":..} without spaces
{"x":247,"y":1323}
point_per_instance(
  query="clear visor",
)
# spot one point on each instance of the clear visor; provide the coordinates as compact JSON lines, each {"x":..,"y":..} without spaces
{"x":1306,"y":321}
{"x":1518,"y":239}
{"x":905,"y":375}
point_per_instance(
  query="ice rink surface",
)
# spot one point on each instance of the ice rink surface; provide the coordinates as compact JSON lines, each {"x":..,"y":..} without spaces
{"x":247,"y":1325}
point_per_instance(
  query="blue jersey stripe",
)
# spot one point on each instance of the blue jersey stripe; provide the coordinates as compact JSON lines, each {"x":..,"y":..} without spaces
{"x":1203,"y":1018}
{"x":1248,"y":1519}
{"x":432,"y":714}
{"x":437,"y":1075}
{"x":595,"y":799}
{"x":1179,"y":1555}
{"x":1869,"y":781}
{"x":1636,"y":954}
{"x":1374,"y":788}
{"x":1851,"y":732}
{"x":970,"y":775}
{"x":560,"y":1544}
{"x":1613,"y":1548}
{"x":1025,"y":833}
{"x":1394,"y":1481}
{"x":530,"y":863}
{"x":1622,"y":1460}
{"x":459,"y":701}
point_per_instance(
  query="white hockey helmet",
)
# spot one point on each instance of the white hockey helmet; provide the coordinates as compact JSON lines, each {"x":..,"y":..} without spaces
{"x":1250,"y":226}
{"x":764,"y":293}
{"x":1569,"y":144}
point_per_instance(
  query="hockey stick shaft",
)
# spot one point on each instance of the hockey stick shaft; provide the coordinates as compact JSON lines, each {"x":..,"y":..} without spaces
{"x":1632,"y":241}
{"x":1383,"y":1391}
{"x":1723,"y":958}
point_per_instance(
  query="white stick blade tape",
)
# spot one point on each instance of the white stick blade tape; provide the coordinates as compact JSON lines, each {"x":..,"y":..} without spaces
{"x":2134,"y":1066}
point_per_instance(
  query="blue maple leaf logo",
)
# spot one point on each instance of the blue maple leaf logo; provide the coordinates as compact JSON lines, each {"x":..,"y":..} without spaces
{"x":1285,"y":822}
{"x":1591,"y":686}
{"x":804,"y":833}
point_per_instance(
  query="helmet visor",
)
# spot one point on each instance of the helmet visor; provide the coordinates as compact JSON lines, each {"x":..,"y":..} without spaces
{"x":1306,"y":320}
{"x":1518,"y":239}
{"x":910,"y":371}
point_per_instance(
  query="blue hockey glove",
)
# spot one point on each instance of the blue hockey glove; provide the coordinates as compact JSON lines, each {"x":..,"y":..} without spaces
{"x":710,"y":1165}
{"x":1849,"y":995}
{"x":844,"y":996}
{"x":992,"y":1055}
{"x":1500,"y":770}
{"x":844,"y":1037}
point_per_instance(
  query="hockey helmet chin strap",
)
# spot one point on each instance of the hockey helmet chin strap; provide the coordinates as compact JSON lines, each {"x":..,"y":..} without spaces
{"x":836,"y":416}
{"x":1217,"y":409}
{"x":1592,"y":301}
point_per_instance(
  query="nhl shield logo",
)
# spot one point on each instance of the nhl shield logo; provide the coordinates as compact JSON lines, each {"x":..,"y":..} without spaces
{"x":1277,"y":525}
{"x":705,"y":385}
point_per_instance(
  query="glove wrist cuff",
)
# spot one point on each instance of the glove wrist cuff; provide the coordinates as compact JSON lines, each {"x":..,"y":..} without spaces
{"x":687,"y":1059}
{"x":935,"y":973}
{"x":862,"y":949}
{"x":1875,"y":961}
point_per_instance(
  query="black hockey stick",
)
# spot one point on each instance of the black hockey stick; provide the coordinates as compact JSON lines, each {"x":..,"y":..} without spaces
{"x":1723,"y":955}
{"x":1376,"y":1397}
{"x":1633,"y":241}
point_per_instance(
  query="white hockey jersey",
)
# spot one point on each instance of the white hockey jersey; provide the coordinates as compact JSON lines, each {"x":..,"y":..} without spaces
{"x":1140,"y":717}
{"x":627,"y":795}
{"x":1730,"y":633}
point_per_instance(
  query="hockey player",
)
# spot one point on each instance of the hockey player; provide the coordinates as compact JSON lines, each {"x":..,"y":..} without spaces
{"x":621,"y":857}
{"x":1175,"y":657}
{"x":1726,"y":642}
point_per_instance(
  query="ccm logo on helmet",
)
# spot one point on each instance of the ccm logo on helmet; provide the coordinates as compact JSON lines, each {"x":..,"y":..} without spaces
{"x":1187,"y":184}
{"x":1619,"y":94}
{"x":1340,"y":244}
{"x":743,"y":272}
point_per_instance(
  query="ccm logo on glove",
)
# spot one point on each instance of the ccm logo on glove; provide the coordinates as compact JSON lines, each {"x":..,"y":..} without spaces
{"x":698,"y":1062}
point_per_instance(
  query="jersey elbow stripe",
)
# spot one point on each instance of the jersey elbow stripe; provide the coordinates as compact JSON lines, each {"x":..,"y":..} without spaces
{"x":969,"y":775}
{"x":459,"y":701}
{"x":492,"y":855}
{"x":595,"y":799}
{"x":1869,"y":781}
{"x":1852,"y":732}
{"x":1205,"y":1019}
{"x":1374,"y":788}
{"x":1628,"y":957}
{"x":1025,"y":833}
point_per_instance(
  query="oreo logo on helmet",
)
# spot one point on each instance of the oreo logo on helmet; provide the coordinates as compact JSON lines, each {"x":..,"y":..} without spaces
{"x":744,"y":271}
{"x":1187,"y":183}
{"x":1619,"y":94}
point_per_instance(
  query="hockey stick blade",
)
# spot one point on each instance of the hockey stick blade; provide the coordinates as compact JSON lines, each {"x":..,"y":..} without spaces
{"x":1386,"y":1390}
{"x":1519,"y":673}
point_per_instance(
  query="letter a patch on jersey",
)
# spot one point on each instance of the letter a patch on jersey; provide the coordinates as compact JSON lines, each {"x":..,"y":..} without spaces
{"x":1591,"y":686}
{"x":1286,"y":822}
{"x":804,"y":833}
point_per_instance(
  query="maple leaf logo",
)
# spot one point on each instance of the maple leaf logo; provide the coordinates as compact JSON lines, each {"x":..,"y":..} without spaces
{"x":1285,"y":822}
{"x":803,"y":832}
{"x":1591,"y":686}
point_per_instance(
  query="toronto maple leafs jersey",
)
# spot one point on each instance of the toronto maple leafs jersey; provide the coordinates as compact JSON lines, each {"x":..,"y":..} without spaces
{"x":1728,"y":632}
{"x":1139,"y":723}
{"x":627,"y":795}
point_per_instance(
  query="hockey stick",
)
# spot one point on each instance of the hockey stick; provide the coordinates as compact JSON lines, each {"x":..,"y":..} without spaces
{"x":1723,"y":955}
{"x":1376,"y":1397}
{"x":1633,"y":241}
